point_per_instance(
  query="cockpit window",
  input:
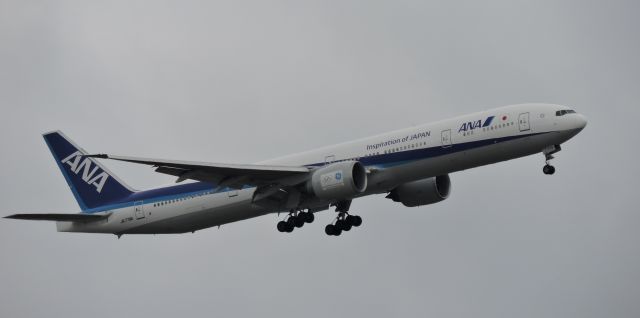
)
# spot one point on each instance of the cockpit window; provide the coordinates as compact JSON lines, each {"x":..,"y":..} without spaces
{"x":565,"y":111}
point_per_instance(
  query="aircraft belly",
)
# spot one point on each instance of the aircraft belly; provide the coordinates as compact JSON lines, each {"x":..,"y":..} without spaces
{"x":200,"y":220}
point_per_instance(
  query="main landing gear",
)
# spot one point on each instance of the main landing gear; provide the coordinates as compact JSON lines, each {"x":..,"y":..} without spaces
{"x":548,"y":152}
{"x":296,"y":219}
{"x":344,"y":221}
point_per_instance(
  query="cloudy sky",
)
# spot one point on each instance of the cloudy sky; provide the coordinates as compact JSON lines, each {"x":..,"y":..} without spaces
{"x":244,"y":81}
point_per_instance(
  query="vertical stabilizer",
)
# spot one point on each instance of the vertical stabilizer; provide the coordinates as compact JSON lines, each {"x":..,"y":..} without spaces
{"x":91,"y":183}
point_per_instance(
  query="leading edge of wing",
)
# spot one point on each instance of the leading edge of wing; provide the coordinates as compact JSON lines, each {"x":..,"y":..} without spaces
{"x":188,"y":165}
{"x":57,"y":217}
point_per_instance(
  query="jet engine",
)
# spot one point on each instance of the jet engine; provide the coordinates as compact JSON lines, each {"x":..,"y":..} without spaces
{"x":341,"y":180}
{"x":422,"y":192}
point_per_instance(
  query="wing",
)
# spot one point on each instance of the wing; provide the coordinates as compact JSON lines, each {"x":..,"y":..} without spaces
{"x":58,"y":217}
{"x":227,"y":175}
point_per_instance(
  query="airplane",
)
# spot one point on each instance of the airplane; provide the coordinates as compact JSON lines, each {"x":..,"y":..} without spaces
{"x":411,"y":166}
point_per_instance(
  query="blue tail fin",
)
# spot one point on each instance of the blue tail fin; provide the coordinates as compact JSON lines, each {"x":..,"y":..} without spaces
{"x":92,"y":184}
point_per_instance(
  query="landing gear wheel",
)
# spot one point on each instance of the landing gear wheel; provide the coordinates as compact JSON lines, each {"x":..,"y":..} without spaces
{"x":289,"y":228}
{"x":290,"y":224}
{"x":298,"y":221}
{"x":329,"y":229}
{"x":332,"y":230}
{"x":343,"y":225}
{"x":354,"y":220}
{"x":282,"y":226}
{"x":308,"y":217}
{"x":549,"y":169}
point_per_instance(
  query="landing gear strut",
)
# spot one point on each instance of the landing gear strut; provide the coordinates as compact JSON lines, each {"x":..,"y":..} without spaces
{"x":296,"y":219}
{"x":344,"y":221}
{"x":548,"y":152}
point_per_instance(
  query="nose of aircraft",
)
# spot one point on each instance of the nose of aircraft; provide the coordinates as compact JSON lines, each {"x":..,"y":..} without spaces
{"x":580,"y":121}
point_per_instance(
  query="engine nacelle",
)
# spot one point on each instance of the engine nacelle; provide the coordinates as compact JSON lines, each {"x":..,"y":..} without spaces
{"x":422,"y":192}
{"x":341,"y":180}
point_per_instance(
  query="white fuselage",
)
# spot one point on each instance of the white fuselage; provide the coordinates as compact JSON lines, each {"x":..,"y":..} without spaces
{"x":392,"y":159}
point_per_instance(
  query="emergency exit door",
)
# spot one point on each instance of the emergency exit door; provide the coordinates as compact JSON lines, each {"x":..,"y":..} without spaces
{"x":138,"y":210}
{"x":523,"y":122}
{"x":446,"y":138}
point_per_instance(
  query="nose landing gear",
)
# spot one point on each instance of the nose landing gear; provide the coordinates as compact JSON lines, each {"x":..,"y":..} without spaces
{"x":548,"y":152}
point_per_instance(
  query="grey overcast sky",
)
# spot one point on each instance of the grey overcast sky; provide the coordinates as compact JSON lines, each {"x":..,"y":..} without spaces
{"x":243,"y":81}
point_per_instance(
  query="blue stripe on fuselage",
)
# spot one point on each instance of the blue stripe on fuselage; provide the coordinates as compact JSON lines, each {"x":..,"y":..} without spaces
{"x":163,"y":194}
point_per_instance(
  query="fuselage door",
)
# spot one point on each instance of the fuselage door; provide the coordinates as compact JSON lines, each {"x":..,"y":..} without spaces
{"x":138,"y":210}
{"x":523,"y":122}
{"x":446,"y":138}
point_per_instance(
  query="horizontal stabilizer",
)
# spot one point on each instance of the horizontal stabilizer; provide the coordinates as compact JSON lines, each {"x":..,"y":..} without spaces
{"x":58,"y":217}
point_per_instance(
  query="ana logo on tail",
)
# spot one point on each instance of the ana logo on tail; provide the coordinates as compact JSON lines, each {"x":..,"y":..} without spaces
{"x":77,"y":162}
